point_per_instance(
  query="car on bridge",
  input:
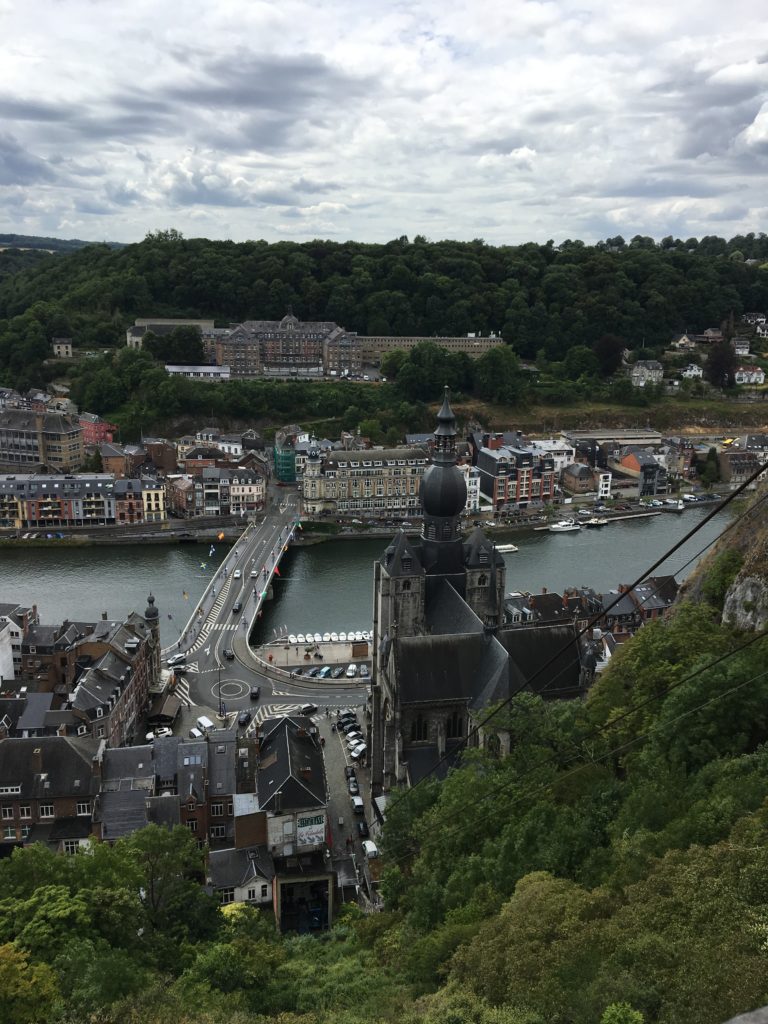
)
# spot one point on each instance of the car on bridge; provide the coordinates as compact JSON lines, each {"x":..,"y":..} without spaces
{"x":237,"y":574}
{"x":237,"y":607}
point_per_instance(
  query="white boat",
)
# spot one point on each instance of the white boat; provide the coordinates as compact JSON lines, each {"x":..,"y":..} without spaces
{"x":334,"y":638}
{"x":506,"y":548}
{"x":300,"y":638}
{"x":326,"y":638}
{"x":564,"y":526}
{"x":343,"y":637}
{"x":366,"y":635}
{"x":318,"y":638}
{"x":595,"y":521}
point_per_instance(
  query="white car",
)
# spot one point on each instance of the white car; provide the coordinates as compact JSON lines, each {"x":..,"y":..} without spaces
{"x":357,"y":752}
{"x":370,"y":849}
{"x":358,"y":807}
{"x":351,"y":672}
{"x":364,"y":673}
{"x":237,"y":574}
{"x":176,"y":659}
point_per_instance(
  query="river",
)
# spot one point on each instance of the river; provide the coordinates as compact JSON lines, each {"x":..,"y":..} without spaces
{"x":327,"y":586}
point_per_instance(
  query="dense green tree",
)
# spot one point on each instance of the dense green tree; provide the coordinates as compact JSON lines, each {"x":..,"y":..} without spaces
{"x":720,"y":366}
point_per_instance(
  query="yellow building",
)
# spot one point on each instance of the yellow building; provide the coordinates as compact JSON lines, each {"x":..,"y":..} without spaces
{"x":153,"y":499}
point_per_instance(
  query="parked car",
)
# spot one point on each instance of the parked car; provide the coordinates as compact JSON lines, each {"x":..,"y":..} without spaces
{"x":338,"y":672}
{"x":362,"y":829}
{"x":244,"y":718}
{"x":349,"y":771}
{"x":358,"y":807}
{"x":351,"y":671}
{"x":255,"y":692}
{"x":228,"y":653}
{"x":314,"y":672}
{"x":364,"y":673}
{"x":370,"y":849}
{"x":324,"y":672}
{"x":354,"y":789}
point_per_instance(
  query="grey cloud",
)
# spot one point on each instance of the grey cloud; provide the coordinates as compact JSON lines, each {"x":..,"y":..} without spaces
{"x":15,"y":109}
{"x":92,"y":206}
{"x":19,"y":167}
{"x":121,"y":195}
{"x":253,"y":81}
{"x":659,"y":187}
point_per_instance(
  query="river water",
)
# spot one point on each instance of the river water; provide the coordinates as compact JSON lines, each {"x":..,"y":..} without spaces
{"x":328,"y":586}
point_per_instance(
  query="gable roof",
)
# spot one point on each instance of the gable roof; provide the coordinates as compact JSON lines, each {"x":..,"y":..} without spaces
{"x":290,"y":764}
{"x":399,"y":554}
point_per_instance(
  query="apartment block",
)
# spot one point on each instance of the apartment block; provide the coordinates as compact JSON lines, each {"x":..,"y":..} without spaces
{"x":382,"y":482}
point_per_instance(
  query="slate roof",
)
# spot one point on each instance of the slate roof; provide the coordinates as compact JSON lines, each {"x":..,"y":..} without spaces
{"x":221,"y":764}
{"x":287,"y":749}
{"x":400,"y":550}
{"x":480,"y":551}
{"x":236,"y":868}
{"x":64,"y":769}
{"x":422,"y":759}
{"x":448,"y":613}
{"x":437,"y":669}
{"x":531,"y":648}
{"x":33,"y":716}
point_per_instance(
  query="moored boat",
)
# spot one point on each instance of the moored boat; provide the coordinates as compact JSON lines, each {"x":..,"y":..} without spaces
{"x":564,"y":526}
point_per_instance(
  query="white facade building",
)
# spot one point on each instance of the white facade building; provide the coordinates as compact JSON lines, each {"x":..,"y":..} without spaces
{"x":207,"y":373}
{"x":692,"y":372}
{"x":10,"y":641}
{"x":472,"y":480}
{"x":749,"y":375}
{"x":603,"y":480}
{"x":563,"y":453}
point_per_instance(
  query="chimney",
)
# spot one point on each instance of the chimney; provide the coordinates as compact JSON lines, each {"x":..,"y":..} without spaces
{"x":544,"y":590}
{"x":37,"y":760}
{"x":306,"y":772}
{"x":565,"y":599}
{"x":104,"y":616}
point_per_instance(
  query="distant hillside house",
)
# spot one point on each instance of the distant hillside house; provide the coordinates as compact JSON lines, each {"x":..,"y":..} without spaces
{"x":646,"y":371}
{"x":692,"y":372}
{"x":207,"y":373}
{"x":134,"y":336}
{"x":740,"y":346}
{"x":62,"y":348}
{"x":749,"y":375}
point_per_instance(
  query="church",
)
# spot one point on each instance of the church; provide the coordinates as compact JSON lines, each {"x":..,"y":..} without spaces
{"x":441,"y":650}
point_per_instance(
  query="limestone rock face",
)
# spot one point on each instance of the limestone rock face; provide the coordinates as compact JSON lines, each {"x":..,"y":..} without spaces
{"x":746,"y":603}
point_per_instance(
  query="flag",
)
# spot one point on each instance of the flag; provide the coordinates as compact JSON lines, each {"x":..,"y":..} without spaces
{"x":185,"y":595}
{"x":203,"y":565}
{"x":299,"y":525}
{"x":263,"y":593}
{"x":219,"y":536}
{"x":277,"y":571}
{"x":169,"y":615}
{"x":210,"y":553}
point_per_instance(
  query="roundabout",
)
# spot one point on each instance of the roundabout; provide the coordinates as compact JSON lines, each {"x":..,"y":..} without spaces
{"x":230,"y":689}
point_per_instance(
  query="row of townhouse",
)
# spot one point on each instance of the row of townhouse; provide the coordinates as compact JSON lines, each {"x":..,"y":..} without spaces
{"x":45,"y":501}
{"x":31,"y":440}
{"x":259,"y":807}
{"x":79,"y":678}
{"x":216,"y":492}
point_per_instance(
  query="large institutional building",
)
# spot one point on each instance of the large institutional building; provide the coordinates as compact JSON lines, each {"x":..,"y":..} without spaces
{"x":442,"y":651}
{"x":299,"y":348}
{"x":379,"y":481}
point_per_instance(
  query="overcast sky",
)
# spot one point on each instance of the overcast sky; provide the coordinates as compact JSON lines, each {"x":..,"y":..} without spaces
{"x":496,"y":119}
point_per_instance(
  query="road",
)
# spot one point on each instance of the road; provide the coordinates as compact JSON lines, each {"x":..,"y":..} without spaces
{"x":213,"y":682}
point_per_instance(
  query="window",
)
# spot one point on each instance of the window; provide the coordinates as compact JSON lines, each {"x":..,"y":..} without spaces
{"x":230,"y":808}
{"x":191,"y":805}
{"x":9,"y":832}
{"x":419,"y":729}
{"x":7,"y":813}
{"x":227,"y":895}
{"x":192,"y":825}
{"x":217,"y":832}
{"x":217,"y":810}
{"x":25,"y":811}
{"x":25,"y":831}
{"x":46,"y":810}
{"x":251,"y":894}
{"x":454,"y":726}
{"x":70,"y":846}
{"x":84,"y":808}
{"x":264,"y":891}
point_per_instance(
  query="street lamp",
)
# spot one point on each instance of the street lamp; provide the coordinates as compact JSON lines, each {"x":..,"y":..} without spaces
{"x":221,"y":702}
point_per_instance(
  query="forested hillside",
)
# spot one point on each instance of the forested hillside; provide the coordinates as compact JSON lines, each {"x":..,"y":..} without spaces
{"x":573,"y":307}
{"x":612,"y":869}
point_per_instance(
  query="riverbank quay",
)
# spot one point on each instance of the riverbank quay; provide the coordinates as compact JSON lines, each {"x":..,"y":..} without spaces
{"x":204,"y":531}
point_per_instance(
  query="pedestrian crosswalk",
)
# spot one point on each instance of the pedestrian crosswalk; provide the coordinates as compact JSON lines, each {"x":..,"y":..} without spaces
{"x":182,"y":692}
{"x":224,"y":625}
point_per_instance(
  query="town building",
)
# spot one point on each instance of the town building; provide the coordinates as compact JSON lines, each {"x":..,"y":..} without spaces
{"x":562,"y":453}
{"x":42,"y":501}
{"x":379,"y":481}
{"x":47,"y":788}
{"x":291,"y":791}
{"x":638,"y":466}
{"x":646,"y":371}
{"x":34,"y":440}
{"x":95,"y":430}
{"x":516,"y":476}
{"x":441,"y":649}
{"x":740,"y":345}
{"x":122,"y":460}
{"x":472,"y":483}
